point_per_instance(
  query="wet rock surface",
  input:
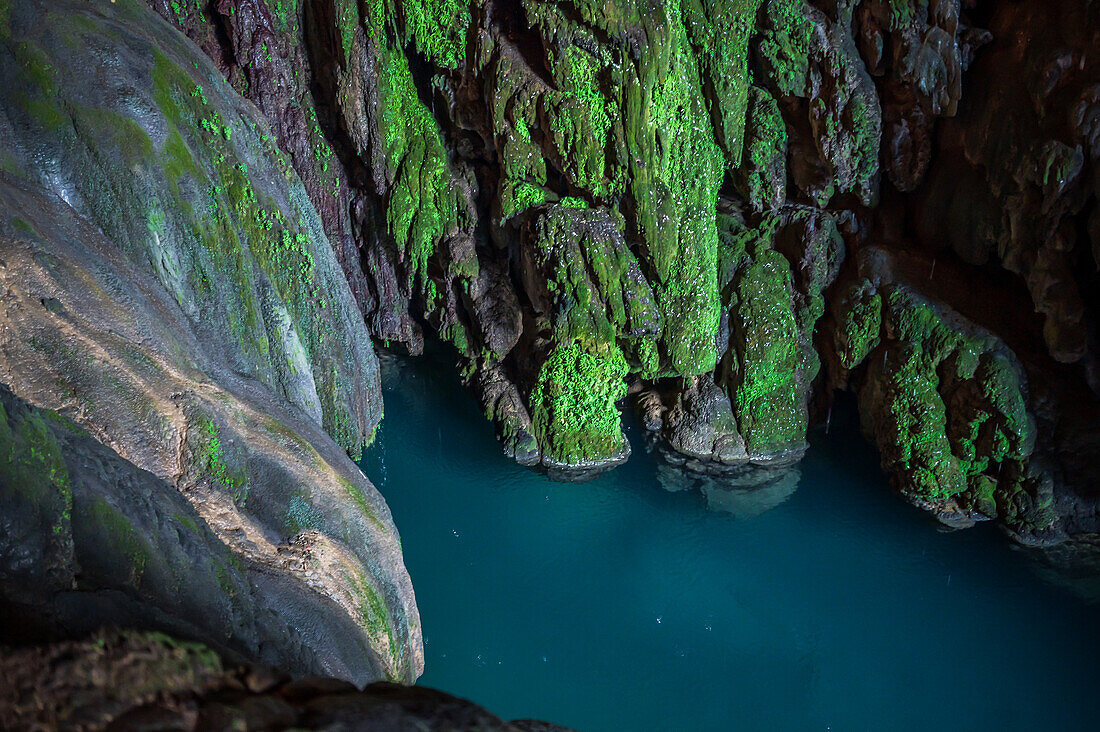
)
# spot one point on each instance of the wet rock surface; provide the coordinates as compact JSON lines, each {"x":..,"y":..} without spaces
{"x":91,"y":540}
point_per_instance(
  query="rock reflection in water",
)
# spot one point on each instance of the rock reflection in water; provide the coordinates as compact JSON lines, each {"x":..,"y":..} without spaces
{"x":744,"y":491}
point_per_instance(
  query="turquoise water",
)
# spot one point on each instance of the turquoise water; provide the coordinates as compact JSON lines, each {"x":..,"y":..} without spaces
{"x":619,"y":605}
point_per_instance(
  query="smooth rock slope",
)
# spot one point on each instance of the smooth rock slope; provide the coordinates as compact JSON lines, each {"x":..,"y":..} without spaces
{"x":168,"y":287}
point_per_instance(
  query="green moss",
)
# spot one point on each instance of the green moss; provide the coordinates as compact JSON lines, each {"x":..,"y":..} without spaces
{"x":338,"y":421}
{"x":719,"y":31}
{"x":375,"y":619}
{"x":38,"y":96}
{"x":859,"y":324}
{"x":589,"y":276}
{"x":522,"y":130}
{"x":209,"y":460}
{"x":912,"y":424}
{"x":647,"y":357}
{"x":785,"y":45}
{"x":766,"y":393}
{"x":115,"y":130}
{"x":573,"y":403}
{"x":765,"y":169}
{"x":904,"y":12}
{"x":944,"y":404}
{"x":285,"y":13}
{"x":522,"y":165}
{"x":423,"y":205}
{"x":438,"y":28}
{"x":347,"y":21}
{"x":863,"y":134}
{"x":247,"y":227}
{"x":229,"y":580}
{"x":582,"y":121}
{"x":302,"y":516}
{"x":186,"y":522}
{"x":245,"y":238}
{"x":675,"y":190}
{"x":198,"y":658}
{"x":516,"y":199}
{"x":355,"y":494}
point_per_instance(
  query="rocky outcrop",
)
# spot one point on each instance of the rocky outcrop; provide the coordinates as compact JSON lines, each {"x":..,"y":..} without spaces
{"x":721,"y":211}
{"x":132,"y":681}
{"x":944,"y":400}
{"x":168,"y":288}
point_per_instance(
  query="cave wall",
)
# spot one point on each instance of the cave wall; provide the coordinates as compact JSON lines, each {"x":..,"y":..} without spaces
{"x":677,"y":196}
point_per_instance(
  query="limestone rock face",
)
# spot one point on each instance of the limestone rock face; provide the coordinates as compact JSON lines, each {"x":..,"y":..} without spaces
{"x":167,"y":286}
{"x":139,"y":134}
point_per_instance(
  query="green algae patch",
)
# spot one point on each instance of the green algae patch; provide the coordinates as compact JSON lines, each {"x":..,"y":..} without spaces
{"x":676,"y":193}
{"x":763,"y":175}
{"x":581,"y":122}
{"x":719,"y":31}
{"x":355,"y":495}
{"x":860,"y":324}
{"x":438,"y":28}
{"x":911,"y":418}
{"x":423,"y":205}
{"x":785,"y":45}
{"x":301,"y":515}
{"x":374,"y":618}
{"x":591,"y":277}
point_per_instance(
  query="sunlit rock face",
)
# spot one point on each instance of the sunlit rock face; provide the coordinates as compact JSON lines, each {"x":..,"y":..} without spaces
{"x":584,"y":196}
{"x":168,"y":287}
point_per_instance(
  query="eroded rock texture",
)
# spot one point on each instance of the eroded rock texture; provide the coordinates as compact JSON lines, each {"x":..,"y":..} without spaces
{"x":141,"y":681}
{"x":166,"y":285}
{"x":581,"y":196}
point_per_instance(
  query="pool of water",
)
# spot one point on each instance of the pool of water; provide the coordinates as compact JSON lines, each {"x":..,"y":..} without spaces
{"x":819,"y":602}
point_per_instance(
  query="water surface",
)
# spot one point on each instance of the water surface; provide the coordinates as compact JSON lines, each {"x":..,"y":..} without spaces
{"x":822,"y":602}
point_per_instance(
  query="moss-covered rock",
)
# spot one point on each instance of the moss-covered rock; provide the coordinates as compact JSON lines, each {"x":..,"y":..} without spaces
{"x":944,"y":400}
{"x":573,"y":405}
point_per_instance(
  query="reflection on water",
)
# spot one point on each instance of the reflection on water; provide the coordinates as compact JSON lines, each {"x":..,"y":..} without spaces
{"x":1073,"y":565}
{"x":623,"y":604}
{"x":743,"y":491}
